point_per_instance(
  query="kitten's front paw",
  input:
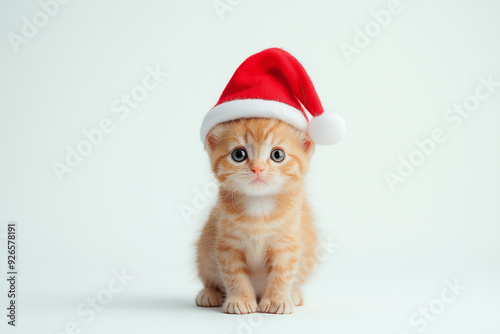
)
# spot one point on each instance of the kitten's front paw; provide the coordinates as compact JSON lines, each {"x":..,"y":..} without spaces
{"x":239,"y":305}
{"x":209,"y":298}
{"x":297,"y":297}
{"x":276,"y":306}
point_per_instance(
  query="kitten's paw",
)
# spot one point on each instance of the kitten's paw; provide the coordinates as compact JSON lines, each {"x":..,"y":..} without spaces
{"x":276,"y":306}
{"x":239,"y":305}
{"x":297,"y":297}
{"x":209,"y":298}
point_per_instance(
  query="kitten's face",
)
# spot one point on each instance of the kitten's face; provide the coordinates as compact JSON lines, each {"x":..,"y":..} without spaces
{"x":258,"y":156}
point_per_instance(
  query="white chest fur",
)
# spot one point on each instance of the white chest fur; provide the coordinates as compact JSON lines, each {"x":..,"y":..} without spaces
{"x":259,"y":206}
{"x":255,"y":253}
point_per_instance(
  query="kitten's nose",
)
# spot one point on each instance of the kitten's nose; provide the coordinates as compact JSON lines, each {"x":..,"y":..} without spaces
{"x":257,"y":167}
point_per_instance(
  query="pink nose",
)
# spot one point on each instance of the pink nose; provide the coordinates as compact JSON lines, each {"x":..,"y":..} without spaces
{"x":257,"y":169}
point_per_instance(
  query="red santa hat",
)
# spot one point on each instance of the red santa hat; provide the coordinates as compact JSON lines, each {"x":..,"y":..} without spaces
{"x":273,"y":84}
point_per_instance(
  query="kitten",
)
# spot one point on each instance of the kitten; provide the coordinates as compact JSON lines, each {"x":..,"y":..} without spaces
{"x":259,"y":243}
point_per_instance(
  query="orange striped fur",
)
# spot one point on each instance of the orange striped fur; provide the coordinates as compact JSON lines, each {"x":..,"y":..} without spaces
{"x":259,"y":244}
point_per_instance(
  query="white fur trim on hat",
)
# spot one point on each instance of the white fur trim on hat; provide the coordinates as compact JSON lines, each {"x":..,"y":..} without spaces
{"x":252,"y":108}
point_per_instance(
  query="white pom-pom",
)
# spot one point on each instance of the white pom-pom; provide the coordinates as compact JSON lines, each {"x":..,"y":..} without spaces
{"x":327,"y":129}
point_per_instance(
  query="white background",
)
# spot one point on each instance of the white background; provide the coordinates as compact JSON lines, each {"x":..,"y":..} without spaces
{"x":120,"y":208}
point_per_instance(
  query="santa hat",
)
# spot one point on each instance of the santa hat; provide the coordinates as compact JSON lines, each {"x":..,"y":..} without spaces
{"x":273,"y":84}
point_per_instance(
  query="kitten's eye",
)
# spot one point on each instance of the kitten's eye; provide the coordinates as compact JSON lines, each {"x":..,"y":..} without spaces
{"x":239,"y":154}
{"x":278,"y":155}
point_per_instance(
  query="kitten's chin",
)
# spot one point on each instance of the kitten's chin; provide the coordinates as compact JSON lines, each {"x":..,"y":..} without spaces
{"x":261,"y":188}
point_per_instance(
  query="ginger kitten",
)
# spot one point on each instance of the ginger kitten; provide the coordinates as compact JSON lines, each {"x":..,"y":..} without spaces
{"x":259,"y":244}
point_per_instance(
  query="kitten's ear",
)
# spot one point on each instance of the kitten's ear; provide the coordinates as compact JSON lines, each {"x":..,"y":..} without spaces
{"x":308,"y":145}
{"x":211,"y":140}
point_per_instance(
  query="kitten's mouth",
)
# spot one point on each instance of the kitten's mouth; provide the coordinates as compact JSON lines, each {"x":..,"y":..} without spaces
{"x":258,"y":180}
